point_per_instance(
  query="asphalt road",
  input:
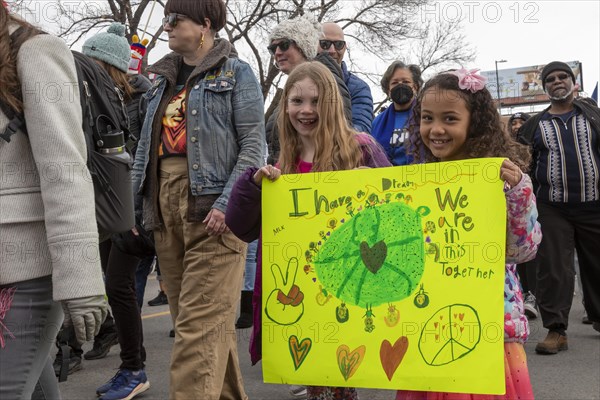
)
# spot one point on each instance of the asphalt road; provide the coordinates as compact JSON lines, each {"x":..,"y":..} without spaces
{"x":569,"y":375}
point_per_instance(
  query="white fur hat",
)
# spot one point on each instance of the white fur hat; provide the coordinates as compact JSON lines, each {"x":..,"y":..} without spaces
{"x":304,"y":30}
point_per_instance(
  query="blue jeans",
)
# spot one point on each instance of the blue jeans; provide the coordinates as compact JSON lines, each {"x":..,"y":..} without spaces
{"x":29,"y":329}
{"x":250,"y":269}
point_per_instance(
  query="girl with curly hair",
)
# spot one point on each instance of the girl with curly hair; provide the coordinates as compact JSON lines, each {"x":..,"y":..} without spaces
{"x":484,"y":135}
{"x":458,"y":121}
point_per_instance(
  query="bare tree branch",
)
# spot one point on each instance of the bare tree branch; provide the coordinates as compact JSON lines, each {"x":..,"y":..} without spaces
{"x":380,"y":28}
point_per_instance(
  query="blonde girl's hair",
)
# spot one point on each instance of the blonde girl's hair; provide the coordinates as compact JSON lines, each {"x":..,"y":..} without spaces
{"x":336,"y":147}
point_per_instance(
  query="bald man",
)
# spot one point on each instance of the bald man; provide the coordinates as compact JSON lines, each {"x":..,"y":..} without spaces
{"x":332,"y":42}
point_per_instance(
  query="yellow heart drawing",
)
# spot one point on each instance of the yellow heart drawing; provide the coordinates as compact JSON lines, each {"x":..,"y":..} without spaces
{"x":349,"y":361}
{"x":299,"y":350}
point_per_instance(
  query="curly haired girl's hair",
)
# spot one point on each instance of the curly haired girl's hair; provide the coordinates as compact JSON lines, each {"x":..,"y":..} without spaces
{"x":485,"y":137}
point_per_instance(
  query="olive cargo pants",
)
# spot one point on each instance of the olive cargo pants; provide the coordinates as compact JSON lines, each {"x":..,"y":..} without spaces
{"x":202,"y":276}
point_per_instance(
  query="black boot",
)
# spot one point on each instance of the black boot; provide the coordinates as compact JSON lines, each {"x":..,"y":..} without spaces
{"x":246,"y":316}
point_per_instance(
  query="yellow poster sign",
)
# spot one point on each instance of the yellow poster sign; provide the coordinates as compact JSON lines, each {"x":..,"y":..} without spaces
{"x":386,"y":278}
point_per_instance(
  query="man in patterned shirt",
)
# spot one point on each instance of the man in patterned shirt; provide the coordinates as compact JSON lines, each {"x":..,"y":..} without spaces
{"x":565,"y":142}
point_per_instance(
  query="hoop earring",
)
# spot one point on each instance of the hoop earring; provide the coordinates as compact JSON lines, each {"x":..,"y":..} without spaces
{"x":201,"y":42}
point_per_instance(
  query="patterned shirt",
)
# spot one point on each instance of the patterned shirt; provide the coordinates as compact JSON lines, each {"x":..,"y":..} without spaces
{"x":567,"y":162}
{"x":173,"y":138}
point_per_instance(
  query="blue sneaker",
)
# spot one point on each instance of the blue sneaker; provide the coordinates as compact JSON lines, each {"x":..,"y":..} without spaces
{"x":106,"y":387}
{"x":125,"y":385}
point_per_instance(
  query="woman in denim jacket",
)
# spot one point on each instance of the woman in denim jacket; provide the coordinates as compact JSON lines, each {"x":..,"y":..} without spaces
{"x":204,"y":126}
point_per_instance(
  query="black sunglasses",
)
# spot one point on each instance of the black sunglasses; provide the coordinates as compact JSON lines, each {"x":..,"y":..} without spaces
{"x":284,"y":45}
{"x":551,"y":79}
{"x":326,"y":44}
{"x":172,"y":19}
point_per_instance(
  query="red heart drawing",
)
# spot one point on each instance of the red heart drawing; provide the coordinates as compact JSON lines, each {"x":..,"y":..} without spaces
{"x":461,"y":316}
{"x":391,"y":356}
{"x":462,"y":328}
{"x":435,"y":324}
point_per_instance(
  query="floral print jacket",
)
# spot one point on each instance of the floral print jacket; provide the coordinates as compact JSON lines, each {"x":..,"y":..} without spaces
{"x":523,"y":235}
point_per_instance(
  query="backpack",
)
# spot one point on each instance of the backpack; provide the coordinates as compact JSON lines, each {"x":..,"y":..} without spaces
{"x":105,"y":127}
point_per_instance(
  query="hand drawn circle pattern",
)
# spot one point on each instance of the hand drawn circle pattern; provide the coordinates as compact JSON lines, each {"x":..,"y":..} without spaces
{"x":450,"y":334}
{"x":376,"y":257}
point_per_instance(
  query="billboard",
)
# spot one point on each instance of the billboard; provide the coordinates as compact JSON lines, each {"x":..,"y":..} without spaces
{"x":523,"y":85}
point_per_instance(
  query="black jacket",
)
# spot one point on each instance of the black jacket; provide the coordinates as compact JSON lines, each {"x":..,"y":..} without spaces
{"x":136,"y":108}
{"x":590,"y":112}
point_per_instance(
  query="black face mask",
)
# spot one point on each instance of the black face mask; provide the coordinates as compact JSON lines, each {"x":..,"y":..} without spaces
{"x":402,"y":94}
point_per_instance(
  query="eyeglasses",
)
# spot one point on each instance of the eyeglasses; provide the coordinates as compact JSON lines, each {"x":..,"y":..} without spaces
{"x":284,"y":45}
{"x":172,"y":19}
{"x":551,"y":79}
{"x":326,"y":44}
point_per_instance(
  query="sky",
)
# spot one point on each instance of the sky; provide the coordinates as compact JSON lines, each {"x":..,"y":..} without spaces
{"x":523,"y":33}
{"x":527,"y":33}
{"x":540,"y":32}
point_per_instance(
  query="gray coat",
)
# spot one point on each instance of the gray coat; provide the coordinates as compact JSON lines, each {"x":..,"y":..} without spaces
{"x":47,"y":213}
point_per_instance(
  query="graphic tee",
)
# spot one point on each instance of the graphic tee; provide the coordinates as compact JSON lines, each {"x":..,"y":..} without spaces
{"x":397,"y":150}
{"x":173,"y":136}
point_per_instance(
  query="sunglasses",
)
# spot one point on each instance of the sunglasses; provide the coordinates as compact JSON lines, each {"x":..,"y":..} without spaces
{"x":172,"y":19}
{"x":326,"y":44}
{"x":284,"y":45}
{"x":551,"y":79}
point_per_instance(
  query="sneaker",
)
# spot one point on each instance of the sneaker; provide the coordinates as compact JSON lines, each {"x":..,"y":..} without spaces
{"x":106,"y":387}
{"x":553,"y":343}
{"x":530,"y":306}
{"x":74,"y":364}
{"x":298,"y":391}
{"x":159,"y":300}
{"x":125,"y":385}
{"x":102,"y":346}
{"x":596,"y":326}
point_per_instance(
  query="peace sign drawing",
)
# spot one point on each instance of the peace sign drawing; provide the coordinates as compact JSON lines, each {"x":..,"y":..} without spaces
{"x":284,"y":304}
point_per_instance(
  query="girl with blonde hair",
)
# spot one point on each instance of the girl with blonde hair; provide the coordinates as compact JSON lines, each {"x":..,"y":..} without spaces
{"x":314,"y":136}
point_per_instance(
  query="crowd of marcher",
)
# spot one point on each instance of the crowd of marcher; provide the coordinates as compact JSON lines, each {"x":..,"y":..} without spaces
{"x":200,"y":149}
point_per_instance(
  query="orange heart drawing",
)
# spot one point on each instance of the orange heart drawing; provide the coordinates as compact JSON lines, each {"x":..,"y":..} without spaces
{"x":391,"y":356}
{"x":299,"y":350}
{"x":349,"y":361}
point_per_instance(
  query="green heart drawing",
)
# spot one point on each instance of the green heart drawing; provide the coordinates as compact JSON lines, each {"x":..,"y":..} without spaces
{"x":299,"y":350}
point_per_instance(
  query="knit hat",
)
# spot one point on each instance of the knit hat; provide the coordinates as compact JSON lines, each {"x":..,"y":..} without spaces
{"x":304,"y":31}
{"x":555,"y":66}
{"x":138,"y":50}
{"x":110,"y":46}
{"x":519,"y":115}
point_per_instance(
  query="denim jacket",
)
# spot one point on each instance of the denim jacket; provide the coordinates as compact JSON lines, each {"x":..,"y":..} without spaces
{"x":224,"y":123}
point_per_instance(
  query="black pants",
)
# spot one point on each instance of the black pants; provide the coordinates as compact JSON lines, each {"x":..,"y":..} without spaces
{"x":566,"y":227}
{"x":527,"y":276}
{"x":119,"y":269}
